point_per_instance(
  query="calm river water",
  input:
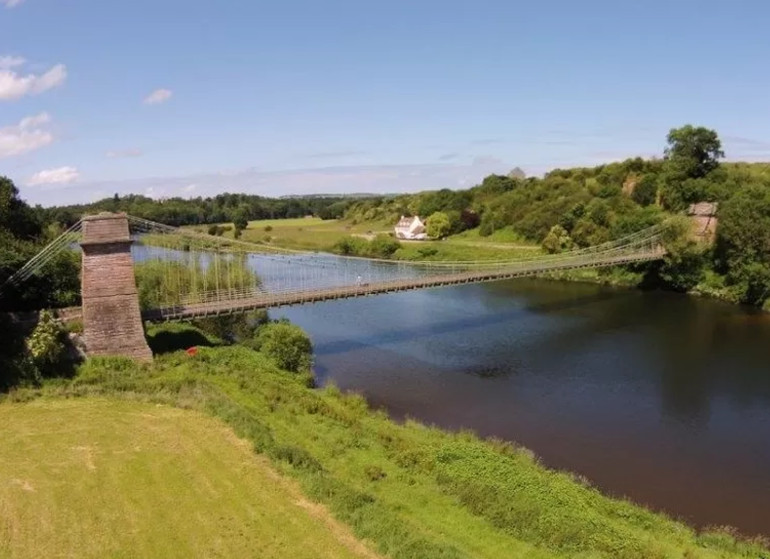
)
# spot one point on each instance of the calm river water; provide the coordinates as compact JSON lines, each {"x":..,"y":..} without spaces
{"x":661,"y":398}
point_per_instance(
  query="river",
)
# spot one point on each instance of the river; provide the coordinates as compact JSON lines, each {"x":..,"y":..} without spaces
{"x":657,"y":397}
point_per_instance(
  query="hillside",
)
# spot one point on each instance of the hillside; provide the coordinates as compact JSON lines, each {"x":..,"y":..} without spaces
{"x":580,"y":207}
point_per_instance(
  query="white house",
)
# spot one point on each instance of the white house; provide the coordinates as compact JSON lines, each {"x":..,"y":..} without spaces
{"x":410,"y":228}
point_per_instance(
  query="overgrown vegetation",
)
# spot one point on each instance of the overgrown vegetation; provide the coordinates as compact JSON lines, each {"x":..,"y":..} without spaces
{"x":381,"y":246}
{"x":413,"y":491}
{"x":166,"y":282}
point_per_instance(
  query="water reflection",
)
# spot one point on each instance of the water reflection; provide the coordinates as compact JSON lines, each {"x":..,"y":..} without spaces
{"x":659,"y":397}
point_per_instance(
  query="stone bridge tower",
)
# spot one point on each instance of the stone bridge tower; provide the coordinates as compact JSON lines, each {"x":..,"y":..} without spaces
{"x":112,"y":321}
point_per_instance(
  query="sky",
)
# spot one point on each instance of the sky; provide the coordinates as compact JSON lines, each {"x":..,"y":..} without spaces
{"x":193,"y":97}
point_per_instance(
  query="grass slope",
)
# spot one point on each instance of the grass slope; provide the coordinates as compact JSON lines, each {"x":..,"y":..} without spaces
{"x":414,"y":492}
{"x":101,"y":478}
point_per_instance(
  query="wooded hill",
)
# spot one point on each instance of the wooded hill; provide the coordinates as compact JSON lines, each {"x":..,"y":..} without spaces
{"x":586,"y":206}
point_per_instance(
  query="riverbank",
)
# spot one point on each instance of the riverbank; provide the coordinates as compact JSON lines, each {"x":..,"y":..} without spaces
{"x":410,"y":490}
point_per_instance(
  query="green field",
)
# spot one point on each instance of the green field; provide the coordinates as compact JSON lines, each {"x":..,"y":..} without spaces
{"x":321,"y":235}
{"x":91,"y":477}
{"x":109,"y":478}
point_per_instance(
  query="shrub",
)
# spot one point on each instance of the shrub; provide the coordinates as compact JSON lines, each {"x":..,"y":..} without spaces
{"x":350,"y":246}
{"x":426,"y":252}
{"x":383,"y":246}
{"x":297,"y":457}
{"x":439,"y":225}
{"x":48,"y":347}
{"x":287,"y":345}
{"x":557,"y":240}
{"x":268,"y":228}
{"x":234,"y":327}
{"x":374,"y":473}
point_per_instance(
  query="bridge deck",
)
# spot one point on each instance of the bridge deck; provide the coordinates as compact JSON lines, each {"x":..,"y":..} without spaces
{"x":269,"y":300}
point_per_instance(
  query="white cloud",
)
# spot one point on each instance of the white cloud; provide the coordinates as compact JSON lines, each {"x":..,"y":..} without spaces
{"x":121,"y":153}
{"x":10,"y":62}
{"x":30,"y":134}
{"x":61,"y":175}
{"x":11,"y":3}
{"x":190,"y":188}
{"x":33,"y":121}
{"x":15,"y":86}
{"x":158,"y":96}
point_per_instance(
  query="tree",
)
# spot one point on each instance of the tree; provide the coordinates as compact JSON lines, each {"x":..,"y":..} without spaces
{"x":16,"y":216}
{"x":240,"y":221}
{"x":646,"y":191}
{"x":47,"y":346}
{"x":438,"y":225}
{"x":693,"y":152}
{"x":743,"y":243}
{"x":287,"y":344}
{"x":683,"y":267}
{"x":557,"y":240}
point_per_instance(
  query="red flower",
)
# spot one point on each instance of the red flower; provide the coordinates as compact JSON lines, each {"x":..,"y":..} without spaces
{"x":192,"y":351}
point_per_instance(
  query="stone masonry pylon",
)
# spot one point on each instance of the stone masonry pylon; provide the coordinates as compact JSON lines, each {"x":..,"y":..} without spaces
{"x":112,"y":321}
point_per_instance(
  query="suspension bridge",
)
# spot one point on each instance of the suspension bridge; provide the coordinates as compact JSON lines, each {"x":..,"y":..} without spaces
{"x":135,"y":270}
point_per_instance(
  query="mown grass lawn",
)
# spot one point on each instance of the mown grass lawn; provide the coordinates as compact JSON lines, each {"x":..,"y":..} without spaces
{"x":109,"y":478}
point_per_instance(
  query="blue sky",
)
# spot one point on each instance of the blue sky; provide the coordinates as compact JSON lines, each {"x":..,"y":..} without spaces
{"x":303,"y":96}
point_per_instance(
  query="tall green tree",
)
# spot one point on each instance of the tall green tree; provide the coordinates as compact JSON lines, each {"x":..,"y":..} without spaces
{"x":693,"y":151}
{"x":16,"y":217}
{"x":692,"y":154}
{"x":240,"y":221}
{"x":438,"y":225}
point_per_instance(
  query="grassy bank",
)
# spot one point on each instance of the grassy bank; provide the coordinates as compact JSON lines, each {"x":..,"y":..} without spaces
{"x":110,"y":478}
{"x":410,"y":490}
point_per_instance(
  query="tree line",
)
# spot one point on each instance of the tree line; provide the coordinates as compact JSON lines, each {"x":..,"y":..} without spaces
{"x":222,"y":208}
{"x":580,"y":207}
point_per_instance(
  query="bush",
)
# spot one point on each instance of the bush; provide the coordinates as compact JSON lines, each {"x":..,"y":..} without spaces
{"x":439,"y":225}
{"x":268,"y":228}
{"x":48,"y":347}
{"x":487,"y":227}
{"x":557,"y":240}
{"x":383,"y":246}
{"x":350,"y":246}
{"x":427,"y":252}
{"x":646,"y":191}
{"x":287,"y":345}
{"x":233,"y":327}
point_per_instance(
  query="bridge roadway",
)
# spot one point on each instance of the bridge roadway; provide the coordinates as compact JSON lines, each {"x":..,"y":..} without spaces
{"x":298,"y":297}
